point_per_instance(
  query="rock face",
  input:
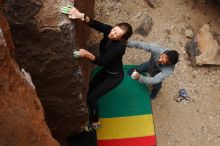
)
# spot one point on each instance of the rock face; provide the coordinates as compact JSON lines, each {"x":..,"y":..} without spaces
{"x":204,"y":48}
{"x":45,"y":40}
{"x":22,"y":120}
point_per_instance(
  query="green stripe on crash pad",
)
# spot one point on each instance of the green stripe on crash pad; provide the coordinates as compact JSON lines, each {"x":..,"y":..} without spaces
{"x":127,"y":99}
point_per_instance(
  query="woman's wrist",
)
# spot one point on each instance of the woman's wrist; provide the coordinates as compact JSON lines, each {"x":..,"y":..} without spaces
{"x":91,"y":57}
{"x":82,"y":17}
{"x":86,"y":19}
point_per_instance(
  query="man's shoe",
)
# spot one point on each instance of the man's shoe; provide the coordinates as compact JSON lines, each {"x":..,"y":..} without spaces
{"x":153,"y":95}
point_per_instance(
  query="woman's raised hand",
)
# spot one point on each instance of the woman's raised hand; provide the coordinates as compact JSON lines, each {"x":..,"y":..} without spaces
{"x":72,"y":12}
{"x":82,"y":53}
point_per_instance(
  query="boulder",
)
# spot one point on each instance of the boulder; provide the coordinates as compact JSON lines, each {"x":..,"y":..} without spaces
{"x":22,"y":120}
{"x":45,"y":40}
{"x":204,"y":49}
{"x":145,"y":25}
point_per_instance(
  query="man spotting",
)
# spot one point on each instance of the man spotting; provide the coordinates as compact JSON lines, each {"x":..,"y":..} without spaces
{"x":161,"y":64}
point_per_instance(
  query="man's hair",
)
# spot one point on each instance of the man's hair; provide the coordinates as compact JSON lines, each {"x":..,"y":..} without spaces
{"x":173,"y":56}
{"x":127,"y":28}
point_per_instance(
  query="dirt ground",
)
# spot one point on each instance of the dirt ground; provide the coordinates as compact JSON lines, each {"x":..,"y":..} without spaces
{"x":189,"y":123}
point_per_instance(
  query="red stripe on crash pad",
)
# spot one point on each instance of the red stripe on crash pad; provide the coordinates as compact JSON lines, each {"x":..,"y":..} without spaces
{"x":140,"y":141}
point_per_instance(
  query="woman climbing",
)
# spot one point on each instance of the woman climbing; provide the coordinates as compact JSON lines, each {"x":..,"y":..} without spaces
{"x":112,"y":48}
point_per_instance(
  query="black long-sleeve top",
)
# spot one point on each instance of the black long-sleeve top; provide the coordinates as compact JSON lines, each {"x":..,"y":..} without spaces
{"x":111,"y":51}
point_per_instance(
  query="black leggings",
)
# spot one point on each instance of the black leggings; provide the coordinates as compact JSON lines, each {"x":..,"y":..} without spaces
{"x":102,"y":83}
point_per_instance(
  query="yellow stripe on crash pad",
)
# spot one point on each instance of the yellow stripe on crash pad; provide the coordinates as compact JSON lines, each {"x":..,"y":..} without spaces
{"x":126,"y":127}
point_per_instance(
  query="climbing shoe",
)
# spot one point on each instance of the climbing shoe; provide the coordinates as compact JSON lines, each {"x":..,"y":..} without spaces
{"x":90,"y":127}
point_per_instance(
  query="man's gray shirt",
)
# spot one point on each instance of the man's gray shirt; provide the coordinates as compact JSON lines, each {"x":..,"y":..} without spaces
{"x":157,"y":72}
